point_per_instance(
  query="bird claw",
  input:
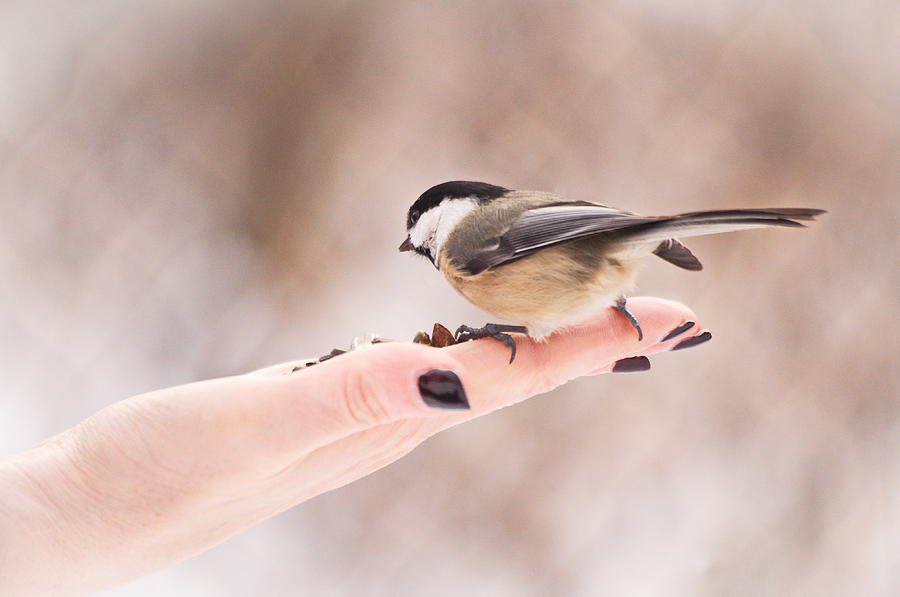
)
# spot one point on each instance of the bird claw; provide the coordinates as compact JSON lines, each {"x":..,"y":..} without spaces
{"x":465,"y":333}
{"x":623,"y":309}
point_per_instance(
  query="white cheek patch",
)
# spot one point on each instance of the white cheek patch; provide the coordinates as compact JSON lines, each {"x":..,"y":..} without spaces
{"x":422,"y":234}
{"x":436,"y":224}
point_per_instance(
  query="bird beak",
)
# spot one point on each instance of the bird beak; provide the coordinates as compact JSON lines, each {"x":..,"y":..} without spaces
{"x":406,"y":245}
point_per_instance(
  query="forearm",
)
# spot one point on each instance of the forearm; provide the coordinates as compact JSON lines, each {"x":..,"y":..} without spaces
{"x":135,"y":488}
{"x":61,"y":536}
{"x":71,"y":522}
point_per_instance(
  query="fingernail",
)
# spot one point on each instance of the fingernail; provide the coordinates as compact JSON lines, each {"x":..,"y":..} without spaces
{"x":440,"y":388}
{"x":631,"y":365}
{"x":700,"y":339}
{"x":678,"y":331}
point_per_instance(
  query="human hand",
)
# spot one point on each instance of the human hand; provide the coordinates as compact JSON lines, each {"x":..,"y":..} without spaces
{"x":157,"y":478}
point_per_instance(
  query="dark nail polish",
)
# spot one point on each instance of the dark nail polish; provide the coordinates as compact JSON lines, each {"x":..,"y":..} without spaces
{"x":631,"y":365}
{"x":700,"y":339}
{"x":678,"y":331}
{"x":440,"y":388}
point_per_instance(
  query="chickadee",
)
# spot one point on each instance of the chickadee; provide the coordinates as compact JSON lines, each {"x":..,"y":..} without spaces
{"x":546,"y":262}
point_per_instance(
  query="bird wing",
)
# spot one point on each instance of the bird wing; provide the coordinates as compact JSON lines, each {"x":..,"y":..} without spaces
{"x":545,"y":226}
{"x":549,"y":224}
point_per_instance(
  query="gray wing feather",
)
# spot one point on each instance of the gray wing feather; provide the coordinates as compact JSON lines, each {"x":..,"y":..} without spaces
{"x":549,"y":225}
{"x":558,"y":222}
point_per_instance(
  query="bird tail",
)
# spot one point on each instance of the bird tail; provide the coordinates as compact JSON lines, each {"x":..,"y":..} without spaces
{"x":716,"y":221}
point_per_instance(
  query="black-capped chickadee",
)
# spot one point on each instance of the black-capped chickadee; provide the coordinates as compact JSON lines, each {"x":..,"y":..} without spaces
{"x":546,"y":262}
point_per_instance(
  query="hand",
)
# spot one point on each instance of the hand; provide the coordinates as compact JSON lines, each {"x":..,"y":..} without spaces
{"x":160,"y":477}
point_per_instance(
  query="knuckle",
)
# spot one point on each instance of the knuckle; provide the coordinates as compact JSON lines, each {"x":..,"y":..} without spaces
{"x":363,"y":395}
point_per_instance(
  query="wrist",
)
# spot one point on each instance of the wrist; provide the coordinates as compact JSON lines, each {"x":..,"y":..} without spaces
{"x":56,"y":538}
{"x":32,"y":551}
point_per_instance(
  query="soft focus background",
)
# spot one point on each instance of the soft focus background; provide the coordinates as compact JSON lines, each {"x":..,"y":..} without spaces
{"x":195,"y":189}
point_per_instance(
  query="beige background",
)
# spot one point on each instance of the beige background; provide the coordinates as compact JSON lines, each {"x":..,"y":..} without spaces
{"x":195,"y":189}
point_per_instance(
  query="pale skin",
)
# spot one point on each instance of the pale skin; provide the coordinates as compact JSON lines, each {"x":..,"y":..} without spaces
{"x":155,"y":479}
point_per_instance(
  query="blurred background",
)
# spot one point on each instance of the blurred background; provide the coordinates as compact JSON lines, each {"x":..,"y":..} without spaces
{"x":197,"y":189}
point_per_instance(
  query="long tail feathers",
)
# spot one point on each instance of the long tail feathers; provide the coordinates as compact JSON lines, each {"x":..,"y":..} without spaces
{"x":714,"y":222}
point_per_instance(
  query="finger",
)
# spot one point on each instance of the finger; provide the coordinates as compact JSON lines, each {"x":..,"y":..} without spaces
{"x":362,"y":389}
{"x":589,"y":349}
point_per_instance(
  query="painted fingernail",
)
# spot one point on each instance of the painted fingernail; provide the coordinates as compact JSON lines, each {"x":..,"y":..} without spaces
{"x":441,"y":388}
{"x":699,"y":339}
{"x":631,"y":365}
{"x":678,"y":331}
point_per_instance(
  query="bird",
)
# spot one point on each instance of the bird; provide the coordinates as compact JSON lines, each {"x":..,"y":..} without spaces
{"x":548,"y":263}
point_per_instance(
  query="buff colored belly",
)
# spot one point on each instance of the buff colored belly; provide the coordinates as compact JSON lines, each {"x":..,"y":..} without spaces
{"x":533,"y":292}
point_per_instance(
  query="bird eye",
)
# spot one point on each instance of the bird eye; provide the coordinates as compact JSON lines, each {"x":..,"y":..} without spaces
{"x":414,"y":217}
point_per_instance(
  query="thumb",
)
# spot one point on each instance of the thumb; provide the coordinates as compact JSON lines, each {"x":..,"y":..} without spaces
{"x":365,"y":388}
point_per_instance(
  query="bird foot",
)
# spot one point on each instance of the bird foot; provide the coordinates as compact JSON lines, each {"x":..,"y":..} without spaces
{"x":496,"y":331}
{"x":621,"y":308}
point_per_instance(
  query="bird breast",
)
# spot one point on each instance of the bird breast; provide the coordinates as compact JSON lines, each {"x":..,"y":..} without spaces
{"x":555,"y":288}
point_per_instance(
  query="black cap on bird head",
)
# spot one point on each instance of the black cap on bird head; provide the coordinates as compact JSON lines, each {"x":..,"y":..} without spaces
{"x":457,"y":189}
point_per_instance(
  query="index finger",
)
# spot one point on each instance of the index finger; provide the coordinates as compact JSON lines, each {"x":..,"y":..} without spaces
{"x":539,"y":367}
